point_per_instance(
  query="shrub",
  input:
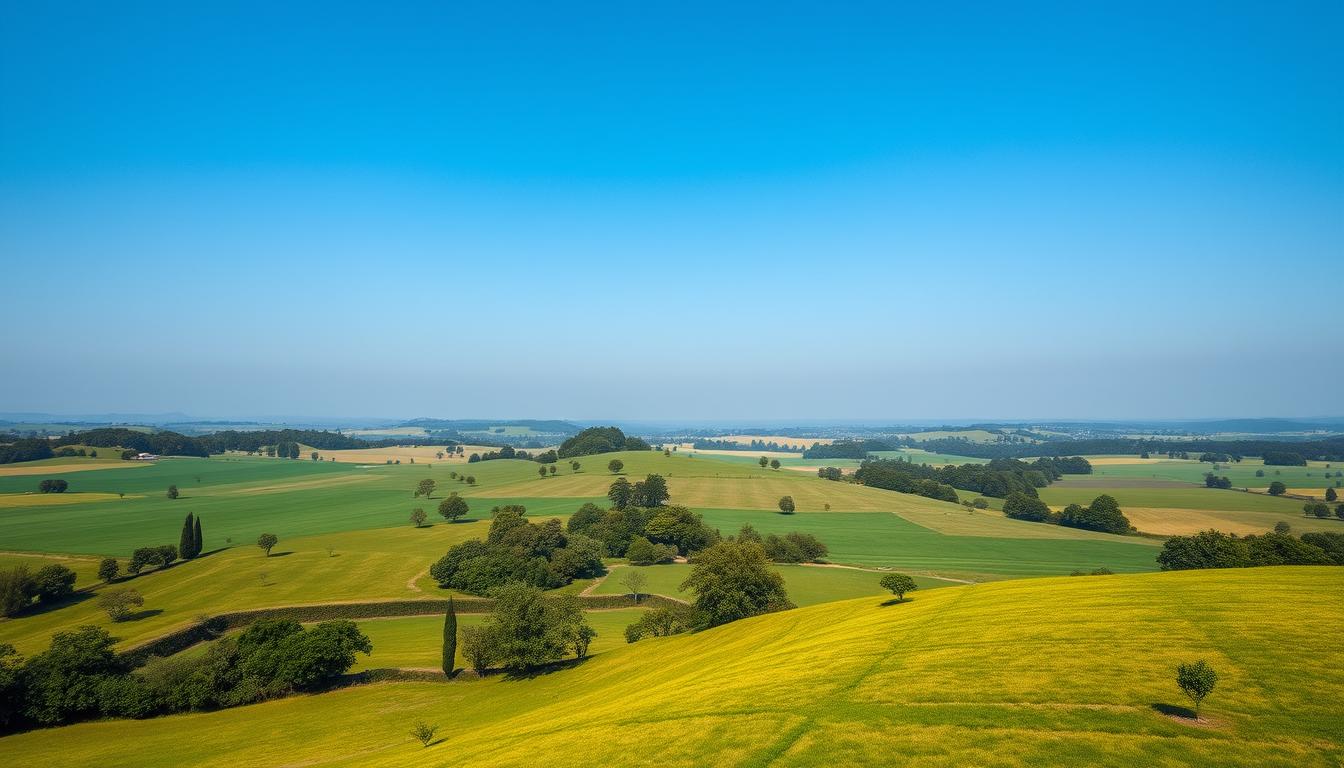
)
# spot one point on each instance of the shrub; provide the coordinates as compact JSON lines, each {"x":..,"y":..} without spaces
{"x":794,"y":547}
{"x":424,"y":733}
{"x":644,"y":552}
{"x":661,"y":622}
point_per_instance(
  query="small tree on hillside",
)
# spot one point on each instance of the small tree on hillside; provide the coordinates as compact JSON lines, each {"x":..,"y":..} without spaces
{"x":471,"y":479}
{"x":197,"y":541}
{"x":551,"y":469}
{"x":479,"y":648}
{"x":418,"y":517}
{"x":425,"y":488}
{"x":634,"y":580}
{"x":453,"y":507}
{"x":424,"y":732}
{"x":774,"y":463}
{"x":1196,"y":681}
{"x":898,"y":584}
{"x":574,"y":466}
{"x":764,"y":462}
{"x":1277,"y":488}
{"x":173,"y":492}
{"x":786,"y":505}
{"x":119,"y":602}
{"x":541,"y":471}
{"x":267,"y":542}
{"x":108,"y":569}
{"x":615,"y":466}
{"x":583,"y":635}
{"x":186,"y":541}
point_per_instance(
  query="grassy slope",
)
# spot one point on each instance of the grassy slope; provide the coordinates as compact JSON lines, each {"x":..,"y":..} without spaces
{"x":1049,"y":672}
{"x":806,"y":585}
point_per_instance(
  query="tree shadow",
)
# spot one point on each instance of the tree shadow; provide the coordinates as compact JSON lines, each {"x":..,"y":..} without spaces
{"x":1172,"y":710}
{"x":533,"y":673}
{"x":894,"y":601}
{"x":41,"y":607}
{"x":286,"y":553}
{"x":145,"y":614}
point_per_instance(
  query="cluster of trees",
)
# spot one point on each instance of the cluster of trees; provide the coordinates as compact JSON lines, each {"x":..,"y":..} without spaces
{"x":525,"y":630}
{"x":81,"y":677}
{"x":600,"y":440}
{"x":707,"y":444}
{"x":14,"y":448}
{"x":164,"y":443}
{"x":517,"y":550}
{"x":506,"y":452}
{"x":190,"y":544}
{"x":1322,"y":511}
{"x":649,"y":492}
{"x":1103,"y":514}
{"x":1213,"y":481}
{"x":18,"y":587}
{"x":285,"y":450}
{"x":162,"y":556}
{"x":618,"y":529}
{"x":1284,"y":459}
{"x":792,"y":547}
{"x":53,"y":485}
{"x":846,"y":449}
{"x":999,"y":478}
{"x":1215,"y":549}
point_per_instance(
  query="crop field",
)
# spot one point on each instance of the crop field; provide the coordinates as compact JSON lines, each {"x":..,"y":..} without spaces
{"x":943,"y":679}
{"x":806,"y":584}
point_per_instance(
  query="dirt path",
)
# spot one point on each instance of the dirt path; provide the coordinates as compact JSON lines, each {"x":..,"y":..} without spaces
{"x":411,"y":585}
{"x":588,"y":590}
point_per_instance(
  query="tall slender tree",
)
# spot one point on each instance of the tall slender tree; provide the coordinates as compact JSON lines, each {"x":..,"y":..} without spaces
{"x":184,"y":541}
{"x":449,"y":638}
{"x":197,"y":545}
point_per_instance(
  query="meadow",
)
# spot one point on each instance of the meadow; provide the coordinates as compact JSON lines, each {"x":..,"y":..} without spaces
{"x":1044,"y":672}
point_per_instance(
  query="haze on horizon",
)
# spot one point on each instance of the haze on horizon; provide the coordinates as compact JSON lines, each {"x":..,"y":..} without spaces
{"x":673,"y":212}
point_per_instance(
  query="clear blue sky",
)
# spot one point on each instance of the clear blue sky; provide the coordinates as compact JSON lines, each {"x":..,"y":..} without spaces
{"x":673,"y":210}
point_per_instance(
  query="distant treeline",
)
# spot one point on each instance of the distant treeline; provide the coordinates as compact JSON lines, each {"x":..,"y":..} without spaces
{"x":1274,"y":451}
{"x":14,"y":448}
{"x":174,"y":444}
{"x":846,"y":449}
{"x":708,"y":444}
{"x":999,"y":478}
{"x":464,"y":425}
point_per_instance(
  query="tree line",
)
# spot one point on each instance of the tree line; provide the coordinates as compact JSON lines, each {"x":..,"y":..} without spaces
{"x":998,"y":478}
{"x":1215,"y":549}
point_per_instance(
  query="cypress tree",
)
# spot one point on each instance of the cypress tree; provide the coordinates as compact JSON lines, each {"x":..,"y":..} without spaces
{"x":449,"y":638}
{"x":185,"y":540}
{"x":196,"y":546}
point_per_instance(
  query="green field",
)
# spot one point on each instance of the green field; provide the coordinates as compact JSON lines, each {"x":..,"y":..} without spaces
{"x":806,"y":585}
{"x":1053,"y":672}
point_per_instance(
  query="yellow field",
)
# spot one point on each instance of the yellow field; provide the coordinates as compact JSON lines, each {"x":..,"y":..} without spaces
{"x":1183,"y":522}
{"x":53,"y":499}
{"x":1043,"y":672}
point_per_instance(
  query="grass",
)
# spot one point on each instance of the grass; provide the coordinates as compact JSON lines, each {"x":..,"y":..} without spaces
{"x":1050,"y":672}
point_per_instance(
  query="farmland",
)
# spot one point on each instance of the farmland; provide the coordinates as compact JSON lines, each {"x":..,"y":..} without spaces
{"x":933,"y":679}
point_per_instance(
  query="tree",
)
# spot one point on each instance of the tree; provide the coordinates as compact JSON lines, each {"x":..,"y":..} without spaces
{"x":471,"y":479}
{"x":1277,"y":488}
{"x":425,"y":488}
{"x":1020,"y":506}
{"x":644,"y":552}
{"x":1316,"y":508}
{"x":1207,"y":549}
{"x":172,"y":492}
{"x":898,"y":584}
{"x":197,"y":542}
{"x":583,"y":635}
{"x":650,"y":492}
{"x":424,"y":733}
{"x":267,"y":542}
{"x":313,"y":456}
{"x":53,"y":582}
{"x":681,"y":528}
{"x":1330,"y":494}
{"x":541,"y":471}
{"x":16,"y":590}
{"x":1196,"y":681}
{"x":453,"y":507}
{"x":1282,"y":527}
{"x":56,"y":485}
{"x":552,"y":469}
{"x":634,"y":580}
{"x":763,"y":461}
{"x":418,"y":517}
{"x":774,"y":463}
{"x":786,"y":505}
{"x":615,"y":466}
{"x":621,"y":493}
{"x":478,"y":648}
{"x":733,"y":580}
{"x":187,"y":540}
{"x":529,"y":629}
{"x":662,"y":622}
{"x":450,"y":638}
{"x":108,"y":569}
{"x":118,"y":603}
{"x":574,"y":466}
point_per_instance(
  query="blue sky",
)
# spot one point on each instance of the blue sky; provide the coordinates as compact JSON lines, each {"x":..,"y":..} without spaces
{"x":673,"y":210}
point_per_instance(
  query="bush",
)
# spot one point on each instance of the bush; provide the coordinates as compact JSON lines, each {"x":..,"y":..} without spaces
{"x":794,"y":547}
{"x":644,"y":552}
{"x":980,"y":504}
{"x":661,"y":622}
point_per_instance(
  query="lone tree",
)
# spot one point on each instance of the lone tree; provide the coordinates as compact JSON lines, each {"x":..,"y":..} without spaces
{"x":267,"y":541}
{"x":1277,"y":488}
{"x":541,"y":471}
{"x":1196,"y":681}
{"x":172,"y":492}
{"x":424,"y":732}
{"x":552,"y":469}
{"x":774,"y":463}
{"x":615,"y":465}
{"x":1330,"y":494}
{"x":471,"y":479}
{"x":574,"y":466}
{"x":186,"y":543}
{"x":118,"y":603}
{"x":898,"y":584}
{"x":450,"y":638}
{"x":634,"y":581}
{"x":418,"y":517}
{"x":453,"y":507}
{"x":425,"y":488}
{"x":108,"y":569}
{"x":764,"y":462}
{"x":786,"y":505}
